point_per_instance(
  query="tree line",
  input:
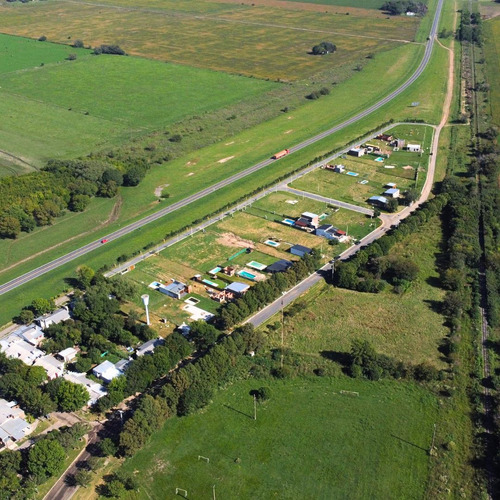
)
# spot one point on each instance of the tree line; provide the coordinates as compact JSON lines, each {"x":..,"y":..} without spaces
{"x":398,"y":7}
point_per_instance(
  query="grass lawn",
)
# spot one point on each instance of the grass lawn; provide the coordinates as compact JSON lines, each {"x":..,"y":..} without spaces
{"x":18,"y":53}
{"x":405,"y":326}
{"x":259,"y":34}
{"x":308,"y":442}
{"x":492,"y":55}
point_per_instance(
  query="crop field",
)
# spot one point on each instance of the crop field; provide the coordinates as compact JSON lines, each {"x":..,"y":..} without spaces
{"x":259,"y":35}
{"x":361,"y":453}
{"x":408,"y":327}
{"x":401,"y":168}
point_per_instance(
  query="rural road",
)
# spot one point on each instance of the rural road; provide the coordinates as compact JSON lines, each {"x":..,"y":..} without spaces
{"x":54,"y":264}
{"x":62,"y":490}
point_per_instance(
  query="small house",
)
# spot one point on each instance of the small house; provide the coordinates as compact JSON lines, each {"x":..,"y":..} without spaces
{"x":300,"y":250}
{"x":13,"y":425}
{"x":237,"y":288}
{"x":176,"y":289}
{"x":53,"y":366}
{"x":106,"y":371}
{"x":398,"y":143}
{"x":340,"y":169}
{"x":53,"y":319}
{"x":356,"y":152}
{"x":148,"y":347}
{"x":392,"y":193}
{"x":229,"y":270}
{"x":67,"y":355}
{"x":280,"y":266}
{"x":184,"y":329}
{"x":312,"y":219}
{"x":380,"y":201}
{"x":413,"y":148}
{"x":391,"y":185}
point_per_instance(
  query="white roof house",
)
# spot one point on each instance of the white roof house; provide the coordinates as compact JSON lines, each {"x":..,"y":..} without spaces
{"x":148,"y":347}
{"x":68,"y":354}
{"x":393,"y":192}
{"x":54,"y":367}
{"x":13,"y":426}
{"x":106,"y":371}
{"x":33,"y":334}
{"x":53,"y":318}
{"x":17,"y":348}
{"x":415,"y":148}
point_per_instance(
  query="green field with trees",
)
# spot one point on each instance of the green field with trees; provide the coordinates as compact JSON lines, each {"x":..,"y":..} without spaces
{"x":359,"y":453}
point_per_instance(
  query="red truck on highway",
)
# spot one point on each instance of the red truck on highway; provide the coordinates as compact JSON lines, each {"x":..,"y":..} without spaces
{"x":279,"y":155}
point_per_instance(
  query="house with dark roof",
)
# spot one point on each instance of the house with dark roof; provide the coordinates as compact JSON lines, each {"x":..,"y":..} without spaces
{"x":380,"y":201}
{"x":176,"y":289}
{"x":148,"y":347}
{"x":280,"y":266}
{"x":300,"y":250}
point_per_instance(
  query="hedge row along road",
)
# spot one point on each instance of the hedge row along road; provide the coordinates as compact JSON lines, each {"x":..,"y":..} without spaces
{"x":39,"y":271}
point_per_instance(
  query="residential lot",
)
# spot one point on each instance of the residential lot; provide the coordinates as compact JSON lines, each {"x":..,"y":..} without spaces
{"x":372,"y":174}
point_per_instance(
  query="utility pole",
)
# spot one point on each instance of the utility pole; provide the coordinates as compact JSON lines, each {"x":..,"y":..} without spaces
{"x":213,"y":492}
{"x":254,"y":407}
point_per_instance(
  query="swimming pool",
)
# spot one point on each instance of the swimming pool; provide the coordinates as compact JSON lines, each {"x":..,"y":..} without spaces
{"x":247,"y":275}
{"x":290,"y":222}
{"x":211,"y":283}
{"x":272,"y":243}
{"x":257,"y":265}
{"x":380,"y":159}
{"x":215,"y":270}
{"x":354,"y":174}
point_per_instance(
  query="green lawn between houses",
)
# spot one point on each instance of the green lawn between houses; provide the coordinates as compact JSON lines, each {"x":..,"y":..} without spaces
{"x":374,"y":446}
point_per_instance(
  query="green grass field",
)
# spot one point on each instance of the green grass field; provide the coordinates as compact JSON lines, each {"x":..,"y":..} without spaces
{"x":259,"y":34}
{"x":407,"y":326}
{"x":136,"y":92}
{"x":492,"y":53}
{"x":365,"y":4}
{"x":17,"y":53}
{"x":308,"y":442}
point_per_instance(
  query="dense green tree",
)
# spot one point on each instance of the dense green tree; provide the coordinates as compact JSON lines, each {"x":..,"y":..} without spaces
{"x":42,"y":306}
{"x":10,"y":227}
{"x":45,"y":458}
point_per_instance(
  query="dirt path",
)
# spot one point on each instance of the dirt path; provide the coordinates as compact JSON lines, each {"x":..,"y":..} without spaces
{"x":113,"y":217}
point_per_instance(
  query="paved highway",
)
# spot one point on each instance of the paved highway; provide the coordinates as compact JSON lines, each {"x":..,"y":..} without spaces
{"x":35,"y":273}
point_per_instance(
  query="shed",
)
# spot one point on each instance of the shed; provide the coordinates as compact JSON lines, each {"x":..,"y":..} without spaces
{"x":356,"y":152}
{"x":391,"y":185}
{"x":393,"y":193}
{"x":300,"y":250}
{"x":279,"y":266}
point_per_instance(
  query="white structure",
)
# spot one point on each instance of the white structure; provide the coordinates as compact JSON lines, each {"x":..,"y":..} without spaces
{"x":17,"y":348}
{"x":13,"y":426}
{"x":392,"y":193}
{"x":106,"y":371}
{"x":413,"y":148}
{"x":33,"y":334}
{"x":67,"y":355}
{"x":145,"y":301}
{"x":52,"y":319}
{"x":53,"y":366}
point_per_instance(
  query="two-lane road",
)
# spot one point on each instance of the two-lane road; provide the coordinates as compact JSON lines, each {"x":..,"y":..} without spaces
{"x":54,"y":264}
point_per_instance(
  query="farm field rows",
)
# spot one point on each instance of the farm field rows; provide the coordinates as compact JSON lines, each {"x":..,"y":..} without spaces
{"x":408,"y":327}
{"x":360,"y":453}
{"x":259,"y":35}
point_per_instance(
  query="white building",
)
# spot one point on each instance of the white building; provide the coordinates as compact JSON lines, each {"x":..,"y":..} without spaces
{"x":67,"y":355}
{"x":13,"y":426}
{"x":107,"y":371}
{"x":413,"y":148}
{"x":53,"y":366}
{"x":54,"y":318}
{"x":17,"y":348}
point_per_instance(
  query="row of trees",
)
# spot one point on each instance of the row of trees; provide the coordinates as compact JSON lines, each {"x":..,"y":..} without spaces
{"x":398,"y":7}
{"x":373,"y":267}
{"x":190,"y":387}
{"x":471,"y":27}
{"x":265,"y":292}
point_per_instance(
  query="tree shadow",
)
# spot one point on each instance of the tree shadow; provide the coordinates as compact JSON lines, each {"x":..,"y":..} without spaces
{"x":70,"y":480}
{"x":342,"y":358}
{"x":434,"y":281}
{"x":238,"y":411}
{"x":72,"y":282}
{"x":434,"y":305}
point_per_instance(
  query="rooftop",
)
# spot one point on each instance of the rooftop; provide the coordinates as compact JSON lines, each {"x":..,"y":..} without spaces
{"x":310,"y":215}
{"x":381,"y":199}
{"x":16,"y":427}
{"x":237,"y":287}
{"x":279,"y":266}
{"x":301,"y":248}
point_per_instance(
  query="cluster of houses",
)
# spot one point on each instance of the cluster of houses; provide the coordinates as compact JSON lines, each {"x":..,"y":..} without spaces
{"x":25,"y":344}
{"x":392,"y":191}
{"x":397,"y":144}
{"x":310,"y":223}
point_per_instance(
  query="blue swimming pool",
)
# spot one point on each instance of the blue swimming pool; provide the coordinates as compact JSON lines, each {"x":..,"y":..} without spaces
{"x":380,"y":159}
{"x":291,"y":222}
{"x":215,"y":270}
{"x":247,"y":275}
{"x":354,"y":174}
{"x":211,"y":283}
{"x":272,"y":243}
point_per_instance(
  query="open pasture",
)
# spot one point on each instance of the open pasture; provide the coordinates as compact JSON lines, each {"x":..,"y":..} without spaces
{"x":260,"y":35}
{"x":407,"y":327}
{"x":132,"y":91}
{"x":289,"y":452}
